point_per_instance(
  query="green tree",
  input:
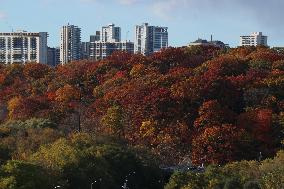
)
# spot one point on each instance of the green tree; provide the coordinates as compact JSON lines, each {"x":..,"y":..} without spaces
{"x":252,"y":185}
{"x":183,"y":180}
{"x":79,"y":160}
{"x":233,"y":183}
{"x":32,"y":123}
{"x":24,"y":175}
{"x":272,"y":171}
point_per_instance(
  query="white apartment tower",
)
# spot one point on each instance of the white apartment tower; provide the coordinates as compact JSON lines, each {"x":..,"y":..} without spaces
{"x":111,"y":33}
{"x":150,"y":39}
{"x":108,"y":41}
{"x":255,"y":39}
{"x":70,"y":44}
{"x":101,"y":50}
{"x":23,"y":47}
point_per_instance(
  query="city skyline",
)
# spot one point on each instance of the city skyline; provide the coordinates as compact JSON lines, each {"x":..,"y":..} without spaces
{"x":186,"y":20}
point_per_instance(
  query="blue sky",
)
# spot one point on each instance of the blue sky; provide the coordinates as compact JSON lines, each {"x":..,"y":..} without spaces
{"x":187,"y":19}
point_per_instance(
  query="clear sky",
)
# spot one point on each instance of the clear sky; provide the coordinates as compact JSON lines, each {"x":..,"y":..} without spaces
{"x":187,"y":20}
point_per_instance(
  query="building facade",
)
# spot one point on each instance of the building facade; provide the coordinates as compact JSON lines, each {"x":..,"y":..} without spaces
{"x":23,"y":47}
{"x":85,"y":50}
{"x":100,"y":50}
{"x":150,"y":39}
{"x":96,"y":37}
{"x":70,"y":44}
{"x":53,"y":56}
{"x":212,"y":43}
{"x":255,"y":39}
{"x":200,"y":42}
{"x":106,"y":42}
{"x":110,"y":33}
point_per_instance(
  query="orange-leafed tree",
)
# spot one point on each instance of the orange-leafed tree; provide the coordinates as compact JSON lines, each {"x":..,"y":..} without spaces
{"x":67,"y":98}
{"x":67,"y":94}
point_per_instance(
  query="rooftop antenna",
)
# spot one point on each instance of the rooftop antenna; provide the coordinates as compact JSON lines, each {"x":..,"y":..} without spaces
{"x":211,"y":38}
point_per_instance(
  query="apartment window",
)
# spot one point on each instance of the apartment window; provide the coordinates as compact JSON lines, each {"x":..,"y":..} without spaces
{"x":2,"y":43}
{"x":17,"y":42}
{"x":17,"y":56}
{"x":2,"y":56}
{"x":25,"y":43}
{"x":33,"y":56}
{"x":33,"y":43}
{"x":9,"y":42}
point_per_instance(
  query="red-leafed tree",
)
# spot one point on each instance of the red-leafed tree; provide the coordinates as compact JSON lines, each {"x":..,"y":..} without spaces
{"x":36,"y":71}
{"x":211,"y":113}
{"x":259,"y":126}
{"x":216,"y":145}
{"x":24,"y":108}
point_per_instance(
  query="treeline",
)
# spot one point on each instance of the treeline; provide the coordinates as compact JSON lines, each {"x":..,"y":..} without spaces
{"x":200,"y":104}
{"x":45,"y":158}
{"x":267,"y":174}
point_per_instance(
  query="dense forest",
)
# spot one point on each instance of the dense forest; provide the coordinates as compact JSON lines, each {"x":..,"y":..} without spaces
{"x":117,"y":122}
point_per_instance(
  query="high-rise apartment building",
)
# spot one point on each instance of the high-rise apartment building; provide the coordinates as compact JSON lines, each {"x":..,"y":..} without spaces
{"x":100,"y":50}
{"x":110,"y":33}
{"x":106,"y":42}
{"x":85,"y":50}
{"x":95,"y":37}
{"x":23,"y":47}
{"x":70,"y":44}
{"x":255,"y":39}
{"x":150,"y":39}
{"x":53,"y":56}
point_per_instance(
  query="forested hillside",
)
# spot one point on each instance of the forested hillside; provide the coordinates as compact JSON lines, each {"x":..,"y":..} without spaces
{"x":195,"y":104}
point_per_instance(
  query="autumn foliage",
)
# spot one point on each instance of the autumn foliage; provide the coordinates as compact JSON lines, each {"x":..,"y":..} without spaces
{"x":202,"y":102}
